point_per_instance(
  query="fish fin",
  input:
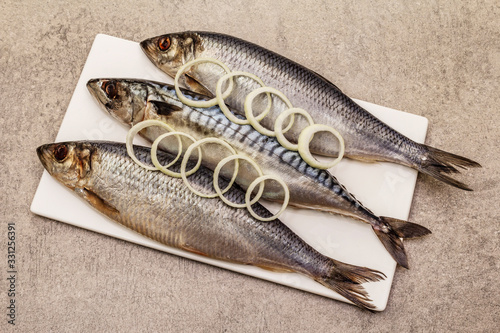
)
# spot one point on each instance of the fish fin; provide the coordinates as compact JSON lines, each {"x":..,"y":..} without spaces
{"x":196,"y":86}
{"x":326,"y":80}
{"x":391,"y":236}
{"x":196,"y":95}
{"x":163,"y":108}
{"x":346,"y":279}
{"x":393,"y":245}
{"x":439,"y":163}
{"x":406,"y":229}
{"x":191,"y":249}
{"x":98,"y":203}
{"x":275,"y":269}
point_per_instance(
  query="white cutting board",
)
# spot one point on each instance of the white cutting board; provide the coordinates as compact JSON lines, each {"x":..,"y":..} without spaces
{"x":387,"y":189}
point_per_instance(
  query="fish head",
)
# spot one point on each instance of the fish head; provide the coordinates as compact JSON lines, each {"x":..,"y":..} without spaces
{"x":170,"y":51}
{"x":68,"y":162}
{"x":123,"y":99}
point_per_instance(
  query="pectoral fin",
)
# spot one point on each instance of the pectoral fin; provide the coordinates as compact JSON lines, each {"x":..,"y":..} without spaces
{"x":164,"y":108}
{"x":191,"y":249}
{"x":196,"y":86}
{"x":98,"y":203}
{"x":275,"y":269}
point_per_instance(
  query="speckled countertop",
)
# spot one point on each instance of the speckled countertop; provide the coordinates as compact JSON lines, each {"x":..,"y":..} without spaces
{"x":437,"y":59}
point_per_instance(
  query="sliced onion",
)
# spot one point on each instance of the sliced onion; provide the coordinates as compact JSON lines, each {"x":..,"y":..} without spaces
{"x":278,"y":126}
{"x":184,"y":174}
{"x":216,"y":178}
{"x":302,"y":147}
{"x":220,"y":97}
{"x":188,"y":153}
{"x":305,"y":138}
{"x":251,"y":187}
{"x":140,"y":126}
{"x":199,"y":104}
{"x":249,"y":110}
{"x":164,"y":168}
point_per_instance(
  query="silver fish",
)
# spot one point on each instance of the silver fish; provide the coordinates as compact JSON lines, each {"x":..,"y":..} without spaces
{"x":131,"y":101}
{"x":164,"y":209}
{"x":366,"y":137}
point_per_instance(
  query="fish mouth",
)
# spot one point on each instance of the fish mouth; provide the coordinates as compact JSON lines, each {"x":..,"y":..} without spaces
{"x":95,"y":90}
{"x":148,"y":48}
{"x":43,"y":153}
{"x":92,"y":84}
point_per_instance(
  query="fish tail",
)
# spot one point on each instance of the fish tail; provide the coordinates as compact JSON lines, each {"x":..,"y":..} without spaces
{"x":439,"y":164}
{"x":394,"y":231}
{"x":405,"y":229}
{"x":346,"y":279}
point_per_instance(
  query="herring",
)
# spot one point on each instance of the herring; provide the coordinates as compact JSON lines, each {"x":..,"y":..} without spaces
{"x":366,"y":137}
{"x":131,"y":101}
{"x":162,"y":208}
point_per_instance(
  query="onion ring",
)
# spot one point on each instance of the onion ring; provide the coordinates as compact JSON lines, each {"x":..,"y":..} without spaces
{"x":220,"y":97}
{"x":188,"y":153}
{"x":163,"y":168}
{"x":216,"y":177}
{"x":278,"y":126}
{"x":249,"y":193}
{"x":140,"y":126}
{"x":305,"y":138}
{"x":249,"y":111}
{"x":199,"y":104}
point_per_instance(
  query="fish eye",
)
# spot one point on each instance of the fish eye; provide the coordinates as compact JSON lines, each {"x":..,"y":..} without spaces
{"x":164,"y":43}
{"x":60,"y":152}
{"x":110,"y":89}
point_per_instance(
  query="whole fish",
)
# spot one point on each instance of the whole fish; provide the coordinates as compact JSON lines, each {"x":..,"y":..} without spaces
{"x":131,"y":101}
{"x":366,"y":137}
{"x":164,"y":209}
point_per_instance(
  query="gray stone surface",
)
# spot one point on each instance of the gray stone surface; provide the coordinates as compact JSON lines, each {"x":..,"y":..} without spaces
{"x":438,"y":59}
